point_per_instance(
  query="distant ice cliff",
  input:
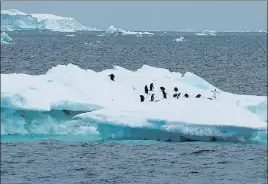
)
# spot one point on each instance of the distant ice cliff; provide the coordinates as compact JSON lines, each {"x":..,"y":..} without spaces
{"x":15,"y":20}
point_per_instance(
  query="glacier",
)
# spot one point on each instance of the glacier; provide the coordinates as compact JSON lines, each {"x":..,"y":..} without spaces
{"x":68,"y":100}
{"x":5,"y":39}
{"x":13,"y":19}
{"x":113,"y":30}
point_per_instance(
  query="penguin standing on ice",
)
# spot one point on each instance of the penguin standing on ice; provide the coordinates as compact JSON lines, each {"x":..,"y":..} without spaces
{"x":176,"y":90}
{"x":146,"y":89}
{"x":186,"y":95}
{"x":198,"y":96}
{"x":214,"y":93}
{"x":178,"y":95}
{"x":142,"y":98}
{"x":112,"y":77}
{"x":151,"y":86}
{"x":152,"y":98}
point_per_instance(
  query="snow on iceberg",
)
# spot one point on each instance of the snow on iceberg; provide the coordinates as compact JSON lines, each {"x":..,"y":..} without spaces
{"x":181,"y":39}
{"x":15,"y":20}
{"x":12,"y":12}
{"x":70,"y":100}
{"x":113,"y":30}
{"x":5,"y":39}
{"x":57,"y":23}
{"x":206,"y":33}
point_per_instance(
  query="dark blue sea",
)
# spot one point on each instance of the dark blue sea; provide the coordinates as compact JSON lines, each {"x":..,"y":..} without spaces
{"x":234,"y":62}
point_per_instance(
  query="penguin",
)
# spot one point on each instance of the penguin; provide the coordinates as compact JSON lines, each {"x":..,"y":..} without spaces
{"x":152,"y":98}
{"x":162,"y":88}
{"x":186,"y":95}
{"x":164,"y":94}
{"x":214,"y":93}
{"x":176,"y":89}
{"x":142,"y":98}
{"x":151,"y":86}
{"x":146,"y":89}
{"x":198,"y":96}
{"x":112,"y":77}
{"x":178,"y":95}
{"x":175,"y":95}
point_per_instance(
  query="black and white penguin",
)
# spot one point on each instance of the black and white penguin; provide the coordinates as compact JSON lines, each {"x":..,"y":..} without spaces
{"x":186,"y":95}
{"x":152,"y":98}
{"x":198,"y":96}
{"x":175,"y":95}
{"x":146,"y":89}
{"x":151,"y":86}
{"x":142,"y":98}
{"x":112,"y":77}
{"x":178,"y":95}
{"x":176,"y":89}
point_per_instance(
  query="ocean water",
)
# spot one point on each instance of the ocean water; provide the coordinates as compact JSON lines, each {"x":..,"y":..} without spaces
{"x":234,"y":62}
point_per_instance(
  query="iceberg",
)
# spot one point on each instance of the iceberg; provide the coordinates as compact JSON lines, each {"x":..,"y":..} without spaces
{"x":5,"y":39}
{"x":15,"y":20}
{"x":68,"y":100}
{"x":206,"y":33}
{"x":113,"y":30}
{"x":262,"y":31}
{"x":181,"y":39}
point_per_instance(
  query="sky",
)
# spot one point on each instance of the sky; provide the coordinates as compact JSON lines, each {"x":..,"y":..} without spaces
{"x":155,"y":15}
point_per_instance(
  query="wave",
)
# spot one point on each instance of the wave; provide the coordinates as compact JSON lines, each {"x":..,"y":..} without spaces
{"x":68,"y":100}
